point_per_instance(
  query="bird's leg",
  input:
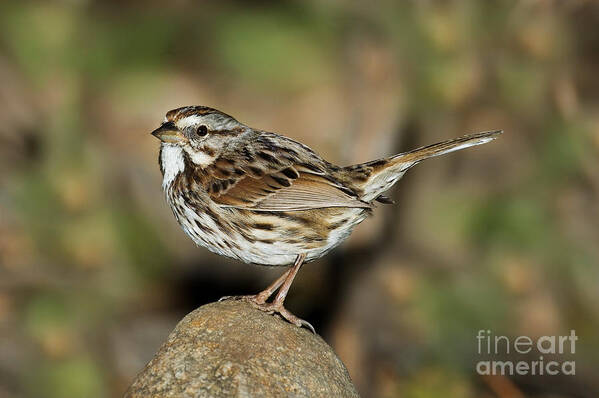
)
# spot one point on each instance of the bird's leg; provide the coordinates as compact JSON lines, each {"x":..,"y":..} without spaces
{"x":283,"y":283}
{"x":277,"y":305}
{"x":280,"y":297}
{"x":261,"y":297}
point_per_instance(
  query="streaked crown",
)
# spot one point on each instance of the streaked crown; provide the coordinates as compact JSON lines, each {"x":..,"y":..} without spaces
{"x":192,"y":124}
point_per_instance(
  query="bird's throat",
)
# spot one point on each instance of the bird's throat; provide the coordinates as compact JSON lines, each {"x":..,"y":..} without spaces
{"x":172,"y":163}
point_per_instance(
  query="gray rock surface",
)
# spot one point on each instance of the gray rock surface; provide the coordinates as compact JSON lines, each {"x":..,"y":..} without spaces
{"x":230,"y":349}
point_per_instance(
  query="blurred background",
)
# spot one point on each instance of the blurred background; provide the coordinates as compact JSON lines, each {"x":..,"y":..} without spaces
{"x":95,"y":272}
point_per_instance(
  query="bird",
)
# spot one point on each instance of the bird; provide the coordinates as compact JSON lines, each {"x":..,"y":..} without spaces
{"x":262,"y":198}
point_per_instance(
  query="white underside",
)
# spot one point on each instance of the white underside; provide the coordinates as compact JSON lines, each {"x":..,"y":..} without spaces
{"x":277,"y":253}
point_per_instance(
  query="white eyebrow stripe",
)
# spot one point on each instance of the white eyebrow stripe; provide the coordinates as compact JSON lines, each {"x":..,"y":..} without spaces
{"x":187,"y":121}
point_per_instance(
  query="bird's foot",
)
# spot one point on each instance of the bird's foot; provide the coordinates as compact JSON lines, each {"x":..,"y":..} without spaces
{"x":259,"y":302}
{"x":274,"y":308}
{"x":253,"y":298}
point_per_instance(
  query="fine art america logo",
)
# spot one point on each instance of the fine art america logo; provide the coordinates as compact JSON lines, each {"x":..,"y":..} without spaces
{"x":490,"y":345}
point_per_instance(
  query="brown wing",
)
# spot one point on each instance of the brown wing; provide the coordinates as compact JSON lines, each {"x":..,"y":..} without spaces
{"x":277,"y":174}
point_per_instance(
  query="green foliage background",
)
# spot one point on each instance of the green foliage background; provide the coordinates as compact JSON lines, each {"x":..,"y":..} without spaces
{"x":94,"y":271}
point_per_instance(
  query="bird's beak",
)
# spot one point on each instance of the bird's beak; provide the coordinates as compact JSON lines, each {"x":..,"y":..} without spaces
{"x":168,"y":132}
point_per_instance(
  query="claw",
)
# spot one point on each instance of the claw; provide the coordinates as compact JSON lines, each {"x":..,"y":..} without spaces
{"x":225,"y":298}
{"x":307,"y":325}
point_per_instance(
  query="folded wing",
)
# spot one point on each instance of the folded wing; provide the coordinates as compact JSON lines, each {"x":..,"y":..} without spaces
{"x":271,"y":178}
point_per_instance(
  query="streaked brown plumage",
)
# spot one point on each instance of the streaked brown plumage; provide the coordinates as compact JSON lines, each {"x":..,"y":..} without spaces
{"x":263,"y":198}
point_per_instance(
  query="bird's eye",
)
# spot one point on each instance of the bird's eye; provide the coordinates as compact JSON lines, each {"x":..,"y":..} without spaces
{"x":202,"y":130}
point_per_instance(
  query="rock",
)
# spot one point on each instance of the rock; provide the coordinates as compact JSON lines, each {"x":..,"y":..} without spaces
{"x":230,"y":349}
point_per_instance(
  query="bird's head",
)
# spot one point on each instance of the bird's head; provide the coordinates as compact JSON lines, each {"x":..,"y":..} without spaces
{"x":200,"y":131}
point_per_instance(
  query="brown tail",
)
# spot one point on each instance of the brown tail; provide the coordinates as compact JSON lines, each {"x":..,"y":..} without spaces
{"x":386,"y":172}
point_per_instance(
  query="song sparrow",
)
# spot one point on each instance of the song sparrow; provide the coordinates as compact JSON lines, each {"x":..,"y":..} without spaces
{"x":265,"y":199}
